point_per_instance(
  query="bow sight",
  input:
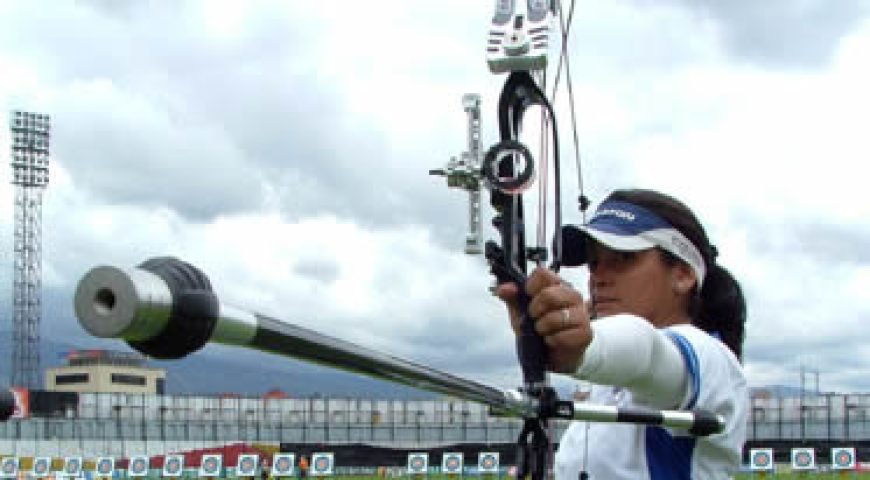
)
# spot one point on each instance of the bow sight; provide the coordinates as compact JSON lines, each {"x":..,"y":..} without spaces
{"x":465,"y":173}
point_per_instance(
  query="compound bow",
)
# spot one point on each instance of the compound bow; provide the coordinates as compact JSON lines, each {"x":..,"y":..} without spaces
{"x":518,"y":44}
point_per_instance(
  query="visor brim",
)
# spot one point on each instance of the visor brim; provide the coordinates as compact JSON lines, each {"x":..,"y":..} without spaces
{"x":627,"y":243}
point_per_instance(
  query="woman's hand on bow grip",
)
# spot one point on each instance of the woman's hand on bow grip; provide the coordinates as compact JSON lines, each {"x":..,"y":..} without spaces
{"x":560,"y":317}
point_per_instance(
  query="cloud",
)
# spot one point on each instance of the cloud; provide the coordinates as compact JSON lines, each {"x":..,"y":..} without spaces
{"x":284,"y":148}
{"x":781,"y":33}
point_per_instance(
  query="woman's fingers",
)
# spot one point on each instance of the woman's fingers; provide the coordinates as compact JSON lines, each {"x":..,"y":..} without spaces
{"x":540,"y":279}
{"x":556,"y":321}
{"x":560,"y":316}
{"x":548,"y":293}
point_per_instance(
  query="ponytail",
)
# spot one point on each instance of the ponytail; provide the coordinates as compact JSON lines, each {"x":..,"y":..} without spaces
{"x":720,"y":309}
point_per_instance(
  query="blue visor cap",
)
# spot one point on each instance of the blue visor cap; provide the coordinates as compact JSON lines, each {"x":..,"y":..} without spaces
{"x":627,"y":227}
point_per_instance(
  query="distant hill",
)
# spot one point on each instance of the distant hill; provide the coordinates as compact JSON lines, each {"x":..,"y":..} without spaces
{"x":252,"y":375}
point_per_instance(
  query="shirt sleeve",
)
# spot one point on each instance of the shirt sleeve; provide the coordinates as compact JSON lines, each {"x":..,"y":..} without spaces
{"x":655,"y":365}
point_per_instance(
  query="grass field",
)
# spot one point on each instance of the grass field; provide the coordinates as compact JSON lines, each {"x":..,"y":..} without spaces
{"x":806,"y":476}
{"x":743,"y":476}
{"x":853,"y":475}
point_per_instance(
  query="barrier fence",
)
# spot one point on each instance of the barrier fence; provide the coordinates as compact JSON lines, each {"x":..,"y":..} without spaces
{"x":122,"y":426}
{"x":325,"y":464}
{"x":278,"y":465}
{"x":190,"y":417}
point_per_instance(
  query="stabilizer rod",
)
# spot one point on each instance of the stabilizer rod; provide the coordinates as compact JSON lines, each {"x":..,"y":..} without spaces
{"x":166,"y":309}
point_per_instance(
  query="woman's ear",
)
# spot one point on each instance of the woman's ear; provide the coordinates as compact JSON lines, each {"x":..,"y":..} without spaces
{"x":683,"y":278}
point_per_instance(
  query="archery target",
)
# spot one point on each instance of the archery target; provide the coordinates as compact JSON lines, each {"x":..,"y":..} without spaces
{"x":41,"y":467}
{"x":761,"y":459}
{"x":105,"y":467}
{"x":138,"y":467}
{"x":487,"y":462}
{"x":72,"y":466}
{"x":9,"y":467}
{"x":282,"y":464}
{"x":210,"y":466}
{"x":173,"y":466}
{"x":803,"y":459}
{"x":322,"y":464}
{"x":247,"y":465}
{"x":418,"y":463}
{"x":843,"y":458}
{"x":451,"y":463}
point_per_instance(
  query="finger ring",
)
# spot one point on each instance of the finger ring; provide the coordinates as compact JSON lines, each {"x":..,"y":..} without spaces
{"x":566,"y":318}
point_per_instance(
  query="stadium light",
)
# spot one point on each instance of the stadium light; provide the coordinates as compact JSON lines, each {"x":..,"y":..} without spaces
{"x":30,"y":142}
{"x":30,"y":148}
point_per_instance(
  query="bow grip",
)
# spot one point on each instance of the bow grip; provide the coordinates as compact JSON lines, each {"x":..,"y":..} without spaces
{"x":531,"y":349}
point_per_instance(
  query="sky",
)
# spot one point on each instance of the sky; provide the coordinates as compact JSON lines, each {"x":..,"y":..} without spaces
{"x":283,"y":147}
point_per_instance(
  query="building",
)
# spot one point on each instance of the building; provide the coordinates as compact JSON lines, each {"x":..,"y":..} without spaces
{"x":91,"y":425}
{"x":104,"y":371}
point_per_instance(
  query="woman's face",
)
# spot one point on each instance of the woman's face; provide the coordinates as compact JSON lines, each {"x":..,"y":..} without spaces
{"x":639,"y":283}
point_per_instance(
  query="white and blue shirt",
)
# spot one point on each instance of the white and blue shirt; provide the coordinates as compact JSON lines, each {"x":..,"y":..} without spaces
{"x":715,"y":383}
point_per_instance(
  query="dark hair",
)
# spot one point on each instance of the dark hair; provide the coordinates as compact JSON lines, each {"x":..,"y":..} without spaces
{"x":719,"y":308}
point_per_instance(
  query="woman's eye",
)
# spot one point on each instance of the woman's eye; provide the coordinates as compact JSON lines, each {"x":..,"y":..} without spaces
{"x":625,"y":257}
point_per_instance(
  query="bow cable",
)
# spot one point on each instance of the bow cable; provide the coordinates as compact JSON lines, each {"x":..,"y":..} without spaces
{"x":582,"y":200}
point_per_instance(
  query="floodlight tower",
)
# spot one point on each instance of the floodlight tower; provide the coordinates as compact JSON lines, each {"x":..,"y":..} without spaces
{"x":30,"y":141}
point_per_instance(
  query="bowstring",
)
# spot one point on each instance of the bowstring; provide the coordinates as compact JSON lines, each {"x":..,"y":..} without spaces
{"x":543,"y":186}
{"x":564,"y":58}
{"x":565,"y":27}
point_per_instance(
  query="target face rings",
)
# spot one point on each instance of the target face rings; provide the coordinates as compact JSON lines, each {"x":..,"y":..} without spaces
{"x":173,"y":466}
{"x":802,"y":459}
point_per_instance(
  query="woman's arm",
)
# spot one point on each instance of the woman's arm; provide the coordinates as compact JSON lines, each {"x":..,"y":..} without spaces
{"x":627,"y":351}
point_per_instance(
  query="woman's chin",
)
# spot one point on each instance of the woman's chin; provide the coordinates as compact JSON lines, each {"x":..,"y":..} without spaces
{"x":606,"y":310}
